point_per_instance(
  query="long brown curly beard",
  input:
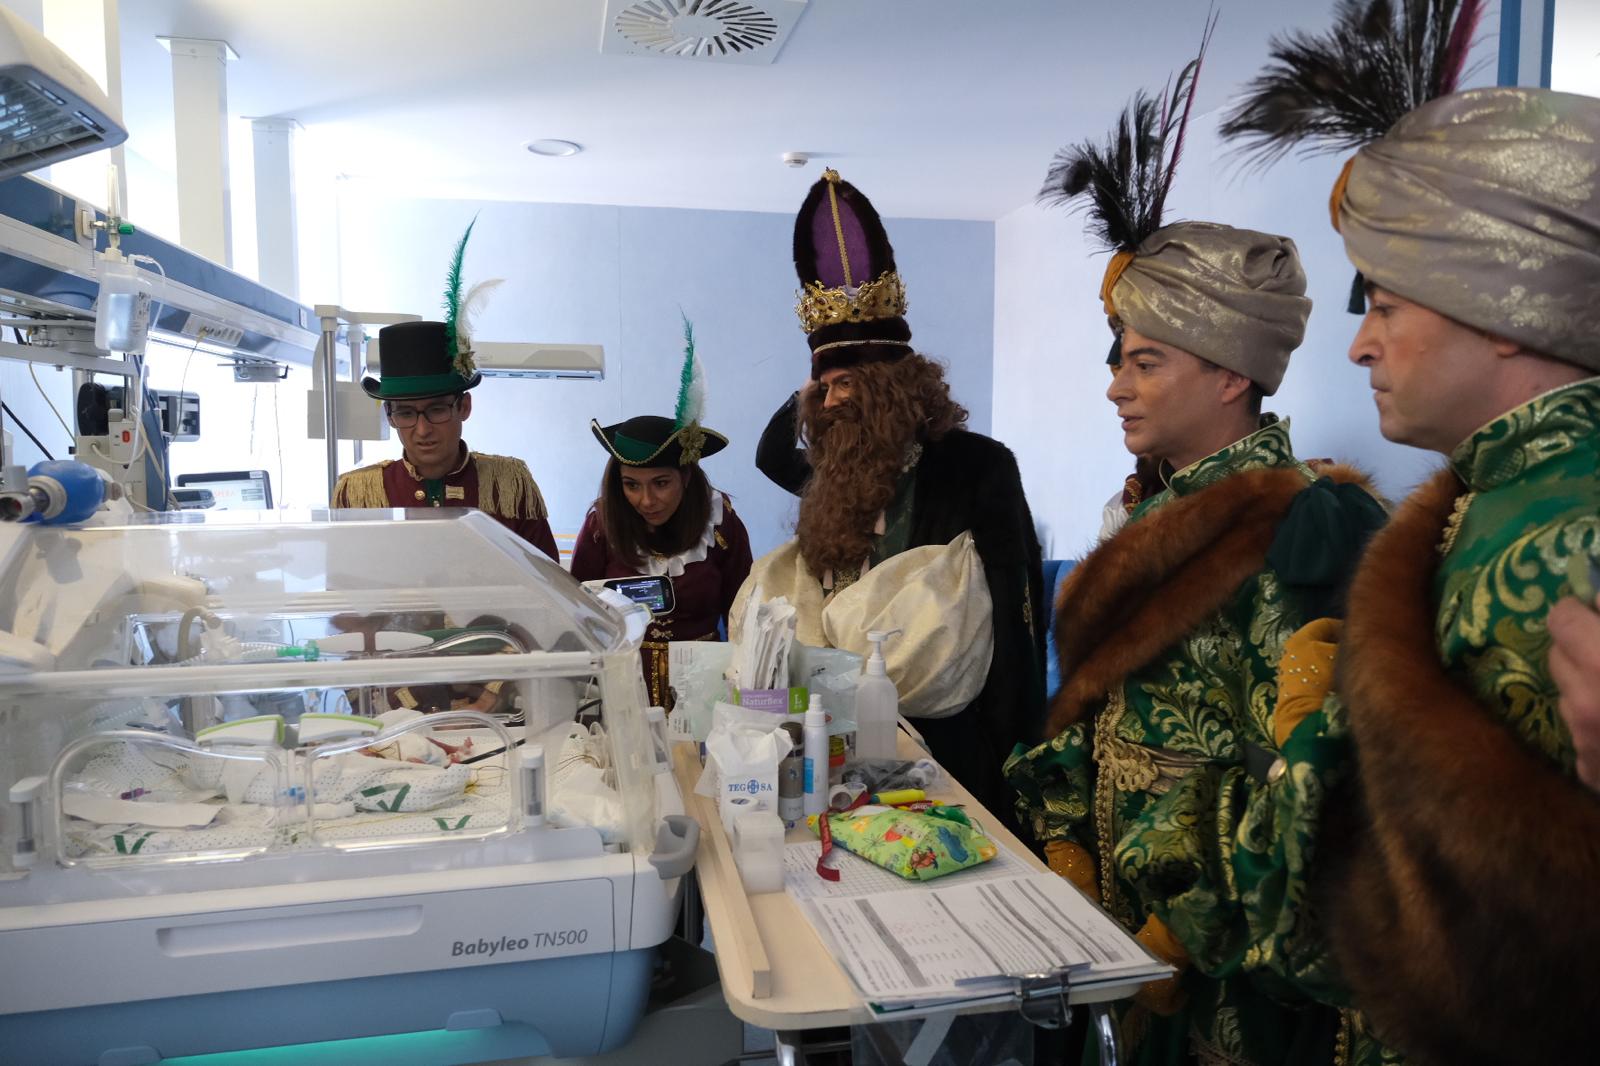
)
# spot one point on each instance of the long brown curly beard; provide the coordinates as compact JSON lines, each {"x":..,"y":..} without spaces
{"x":858,"y":450}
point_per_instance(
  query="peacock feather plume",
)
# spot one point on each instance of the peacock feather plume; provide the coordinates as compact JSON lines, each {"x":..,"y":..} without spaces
{"x":1126,"y":178}
{"x":691,"y":382}
{"x":1339,"y":90}
{"x":691,"y":399}
{"x":452,"y":294}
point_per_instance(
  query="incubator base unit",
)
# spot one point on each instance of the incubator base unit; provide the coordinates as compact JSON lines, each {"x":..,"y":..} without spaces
{"x":273,"y":780}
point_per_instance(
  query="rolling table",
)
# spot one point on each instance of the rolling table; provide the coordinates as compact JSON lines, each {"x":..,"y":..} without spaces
{"x":776,"y":973}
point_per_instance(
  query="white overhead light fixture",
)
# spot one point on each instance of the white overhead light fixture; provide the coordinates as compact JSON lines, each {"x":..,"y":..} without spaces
{"x":50,"y":109}
{"x":549,"y":146}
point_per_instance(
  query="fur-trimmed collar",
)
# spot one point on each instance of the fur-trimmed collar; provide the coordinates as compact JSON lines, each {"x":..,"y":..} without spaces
{"x":1161,"y":577}
{"x":1460,"y":895}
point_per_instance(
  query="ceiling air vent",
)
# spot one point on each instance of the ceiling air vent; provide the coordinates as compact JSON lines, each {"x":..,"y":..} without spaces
{"x":723,"y":31}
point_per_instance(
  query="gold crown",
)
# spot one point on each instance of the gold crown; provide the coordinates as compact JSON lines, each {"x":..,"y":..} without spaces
{"x":884,"y":297}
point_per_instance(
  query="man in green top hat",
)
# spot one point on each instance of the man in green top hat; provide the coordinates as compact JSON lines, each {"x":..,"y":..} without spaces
{"x":427,"y":372}
{"x":1455,"y":889}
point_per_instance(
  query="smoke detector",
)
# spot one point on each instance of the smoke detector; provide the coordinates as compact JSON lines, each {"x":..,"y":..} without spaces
{"x":721,"y":31}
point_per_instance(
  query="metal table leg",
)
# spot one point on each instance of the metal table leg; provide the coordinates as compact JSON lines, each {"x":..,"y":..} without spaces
{"x":1105,"y":1031}
{"x":789,"y":1051}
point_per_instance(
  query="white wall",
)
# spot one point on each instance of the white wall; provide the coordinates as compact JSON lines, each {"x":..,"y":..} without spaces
{"x":617,"y":277}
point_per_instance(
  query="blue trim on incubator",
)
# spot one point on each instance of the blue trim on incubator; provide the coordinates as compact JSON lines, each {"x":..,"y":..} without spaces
{"x":577,"y":1005}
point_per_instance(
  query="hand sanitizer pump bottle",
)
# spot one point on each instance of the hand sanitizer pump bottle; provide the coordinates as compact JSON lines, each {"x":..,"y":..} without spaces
{"x":877,"y":704}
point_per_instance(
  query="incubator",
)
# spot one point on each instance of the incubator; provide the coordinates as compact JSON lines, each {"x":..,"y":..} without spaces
{"x":268,"y":760}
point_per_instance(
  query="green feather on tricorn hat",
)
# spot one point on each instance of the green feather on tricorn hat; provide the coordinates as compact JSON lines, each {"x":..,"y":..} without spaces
{"x":655,"y":440}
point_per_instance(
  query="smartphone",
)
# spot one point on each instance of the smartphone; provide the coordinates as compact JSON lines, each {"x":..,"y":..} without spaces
{"x":654,"y":592}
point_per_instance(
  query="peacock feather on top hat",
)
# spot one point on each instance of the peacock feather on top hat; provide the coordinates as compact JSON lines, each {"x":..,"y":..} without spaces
{"x":418,"y":360}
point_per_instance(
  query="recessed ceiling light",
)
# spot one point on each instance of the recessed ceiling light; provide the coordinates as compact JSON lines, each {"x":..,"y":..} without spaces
{"x":550,"y":147}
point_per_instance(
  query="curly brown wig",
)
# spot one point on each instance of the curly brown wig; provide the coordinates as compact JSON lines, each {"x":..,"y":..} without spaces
{"x":858,"y":450}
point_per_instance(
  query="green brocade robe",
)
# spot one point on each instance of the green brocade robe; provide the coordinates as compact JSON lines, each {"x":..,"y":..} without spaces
{"x":1158,"y":787}
{"x":1530,"y":502}
{"x":1534,"y":479}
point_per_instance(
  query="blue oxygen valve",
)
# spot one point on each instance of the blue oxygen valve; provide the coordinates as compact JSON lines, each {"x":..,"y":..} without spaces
{"x":59,"y":492}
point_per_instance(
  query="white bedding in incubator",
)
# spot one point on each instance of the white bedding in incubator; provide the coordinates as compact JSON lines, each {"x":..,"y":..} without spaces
{"x":227,"y":805}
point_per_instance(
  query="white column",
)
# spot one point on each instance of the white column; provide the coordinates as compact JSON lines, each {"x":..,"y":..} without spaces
{"x":277,"y":246}
{"x":1532,"y":71}
{"x":200,"y":122}
{"x":1525,"y":41}
{"x":87,"y":31}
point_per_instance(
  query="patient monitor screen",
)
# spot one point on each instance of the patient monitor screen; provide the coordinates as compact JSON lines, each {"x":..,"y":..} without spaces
{"x":244,"y":491}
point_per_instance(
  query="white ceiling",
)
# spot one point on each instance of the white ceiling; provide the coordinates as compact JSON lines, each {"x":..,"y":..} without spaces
{"x":937,"y":108}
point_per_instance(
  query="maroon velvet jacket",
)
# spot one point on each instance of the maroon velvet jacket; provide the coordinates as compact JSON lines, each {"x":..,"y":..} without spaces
{"x":704,"y":591}
{"x":498,"y":485}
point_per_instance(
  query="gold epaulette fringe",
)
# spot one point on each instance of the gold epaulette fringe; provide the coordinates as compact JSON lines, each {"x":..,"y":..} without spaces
{"x":362,"y":488}
{"x":506,"y":487}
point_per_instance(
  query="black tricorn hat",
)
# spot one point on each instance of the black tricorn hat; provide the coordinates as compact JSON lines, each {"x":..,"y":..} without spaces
{"x":852,"y":301}
{"x":415,"y":360}
{"x":654,"y":440}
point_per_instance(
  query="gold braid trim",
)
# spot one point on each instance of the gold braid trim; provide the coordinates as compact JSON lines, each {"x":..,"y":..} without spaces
{"x":507,"y":488}
{"x":1341,"y":1046}
{"x":362,"y":488}
{"x":1458,"y":515}
{"x":1105,"y":798}
{"x":831,"y":176}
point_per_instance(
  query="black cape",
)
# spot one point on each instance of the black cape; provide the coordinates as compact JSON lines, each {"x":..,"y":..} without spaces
{"x":966,"y":481}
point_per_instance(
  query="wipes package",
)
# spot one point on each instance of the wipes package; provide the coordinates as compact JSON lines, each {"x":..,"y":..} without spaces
{"x":743,"y":750}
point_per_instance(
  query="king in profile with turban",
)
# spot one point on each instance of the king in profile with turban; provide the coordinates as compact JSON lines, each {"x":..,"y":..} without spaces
{"x":1455,"y":893}
{"x":1158,"y":787}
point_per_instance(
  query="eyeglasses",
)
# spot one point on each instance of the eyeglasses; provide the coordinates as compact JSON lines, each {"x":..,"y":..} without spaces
{"x":406,"y":417}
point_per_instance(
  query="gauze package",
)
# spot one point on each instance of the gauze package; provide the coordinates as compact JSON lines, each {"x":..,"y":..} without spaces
{"x":761,"y":661}
{"x":698,"y":669}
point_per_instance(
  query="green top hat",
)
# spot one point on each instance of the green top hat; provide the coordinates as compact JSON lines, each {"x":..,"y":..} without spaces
{"x":415,"y":361}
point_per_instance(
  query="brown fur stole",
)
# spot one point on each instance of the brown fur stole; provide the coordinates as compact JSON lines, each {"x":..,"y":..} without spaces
{"x":1463,"y":898}
{"x":1162,"y":577}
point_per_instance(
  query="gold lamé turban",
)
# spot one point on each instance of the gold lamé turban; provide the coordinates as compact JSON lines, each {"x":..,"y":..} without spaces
{"x":1234,"y":297}
{"x":1485,"y":207}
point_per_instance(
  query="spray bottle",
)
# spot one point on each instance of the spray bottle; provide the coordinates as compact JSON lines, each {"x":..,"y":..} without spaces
{"x":877,"y":704}
{"x":816,"y":762}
